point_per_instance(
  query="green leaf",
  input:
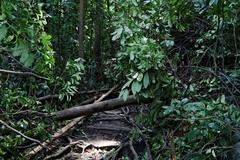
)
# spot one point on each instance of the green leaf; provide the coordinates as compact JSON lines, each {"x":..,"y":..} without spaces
{"x":3,"y":32}
{"x":140,"y":77}
{"x":135,"y":2}
{"x":168,"y":43}
{"x":128,"y":30}
{"x":132,"y":56}
{"x":211,"y":2}
{"x":46,"y":39}
{"x":127,"y":84}
{"x":146,"y":80}
{"x":2,"y":152}
{"x":194,"y":106}
{"x":117,"y":34}
{"x":223,"y":99}
{"x":20,"y":48}
{"x":29,"y":61}
{"x":135,"y":75}
{"x":184,"y":101}
{"x":2,"y":17}
{"x":168,"y":110}
{"x":24,"y":57}
{"x":136,"y":87}
{"x":125,"y":94}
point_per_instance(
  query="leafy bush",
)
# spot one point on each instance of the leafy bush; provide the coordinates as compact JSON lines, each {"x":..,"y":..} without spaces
{"x":175,"y":51}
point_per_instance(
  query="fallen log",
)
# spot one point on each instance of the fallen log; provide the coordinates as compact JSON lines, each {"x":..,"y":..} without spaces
{"x":65,"y":129}
{"x":96,"y":107}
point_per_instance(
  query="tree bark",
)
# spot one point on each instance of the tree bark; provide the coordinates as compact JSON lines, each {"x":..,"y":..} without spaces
{"x":96,"y":107}
{"x":97,"y":49}
{"x":81,"y":27}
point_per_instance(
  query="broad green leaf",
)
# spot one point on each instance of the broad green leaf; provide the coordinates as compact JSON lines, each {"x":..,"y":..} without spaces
{"x":24,"y":57}
{"x":146,"y":80}
{"x":194,"y":106}
{"x":136,"y":87}
{"x":20,"y":48}
{"x":185,"y":101}
{"x":135,"y":2}
{"x":3,"y":32}
{"x":168,"y":110}
{"x":135,"y":75}
{"x":127,"y":84}
{"x":128,"y":30}
{"x":140,"y":77}
{"x":117,"y":34}
{"x":29,"y":61}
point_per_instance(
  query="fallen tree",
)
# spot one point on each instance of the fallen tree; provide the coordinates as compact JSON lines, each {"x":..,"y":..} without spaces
{"x":66,"y":128}
{"x":96,"y":107}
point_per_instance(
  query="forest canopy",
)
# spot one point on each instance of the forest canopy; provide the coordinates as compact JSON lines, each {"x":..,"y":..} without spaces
{"x":169,"y":69}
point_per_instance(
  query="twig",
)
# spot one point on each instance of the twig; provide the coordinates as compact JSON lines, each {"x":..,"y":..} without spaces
{"x":26,"y":112}
{"x":118,"y":150}
{"x":47,"y":97}
{"x":107,"y":94}
{"x":143,"y":137}
{"x":22,"y":74}
{"x":133,"y":150}
{"x":62,"y":150}
{"x":54,"y":96}
{"x":90,"y":100}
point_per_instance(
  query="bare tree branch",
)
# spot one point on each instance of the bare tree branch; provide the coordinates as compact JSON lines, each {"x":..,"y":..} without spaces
{"x":23,"y":74}
{"x":19,"y":133}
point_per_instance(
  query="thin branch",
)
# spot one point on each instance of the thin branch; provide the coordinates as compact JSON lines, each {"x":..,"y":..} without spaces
{"x":19,"y":133}
{"x":107,"y":94}
{"x":142,"y":136}
{"x":55,"y":96}
{"x":133,"y":150}
{"x":23,"y":74}
{"x":47,"y":97}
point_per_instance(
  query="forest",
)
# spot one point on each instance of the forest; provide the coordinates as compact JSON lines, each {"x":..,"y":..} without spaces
{"x":119,"y":79}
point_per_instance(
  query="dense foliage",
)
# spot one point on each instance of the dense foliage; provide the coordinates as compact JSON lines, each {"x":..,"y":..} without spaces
{"x":184,"y":55}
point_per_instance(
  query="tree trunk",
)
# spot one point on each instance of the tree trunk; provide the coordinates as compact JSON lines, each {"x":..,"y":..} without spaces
{"x":81,"y":28}
{"x":96,"y":107}
{"x":97,"y":50}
